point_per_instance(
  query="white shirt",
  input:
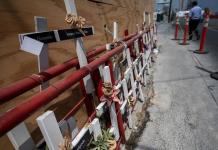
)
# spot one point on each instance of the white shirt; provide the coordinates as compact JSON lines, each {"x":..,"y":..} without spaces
{"x":195,"y":13}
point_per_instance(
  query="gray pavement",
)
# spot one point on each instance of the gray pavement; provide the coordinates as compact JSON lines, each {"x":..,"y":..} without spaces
{"x":184,"y":114}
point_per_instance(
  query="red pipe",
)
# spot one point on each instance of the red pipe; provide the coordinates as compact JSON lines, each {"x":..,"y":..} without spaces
{"x":88,"y":120}
{"x":126,"y":32}
{"x":120,"y":123}
{"x":110,"y":64}
{"x":132,"y":54}
{"x":139,"y":45}
{"x":34,"y":80}
{"x":89,"y":99}
{"x":96,"y":77}
{"x":213,"y":16}
{"x":118,"y":144}
{"x":89,"y":104}
{"x":18,"y":114}
{"x":75,"y":109}
{"x":142,"y":50}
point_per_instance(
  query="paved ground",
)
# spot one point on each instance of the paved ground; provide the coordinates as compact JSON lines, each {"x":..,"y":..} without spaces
{"x":185,"y":111}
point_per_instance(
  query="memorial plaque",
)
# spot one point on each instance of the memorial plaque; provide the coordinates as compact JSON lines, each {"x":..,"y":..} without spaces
{"x":84,"y":141}
{"x":75,"y":33}
{"x":59,"y":35}
{"x":44,"y":37}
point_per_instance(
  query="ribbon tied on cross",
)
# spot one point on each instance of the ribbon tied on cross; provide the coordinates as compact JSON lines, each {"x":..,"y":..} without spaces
{"x":131,"y":101}
{"x":110,"y":94}
{"x":76,"y":22}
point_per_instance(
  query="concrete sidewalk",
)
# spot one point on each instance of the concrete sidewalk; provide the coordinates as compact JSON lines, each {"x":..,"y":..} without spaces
{"x":184,"y":114}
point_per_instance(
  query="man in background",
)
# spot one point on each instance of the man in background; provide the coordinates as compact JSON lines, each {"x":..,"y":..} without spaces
{"x":195,"y":15}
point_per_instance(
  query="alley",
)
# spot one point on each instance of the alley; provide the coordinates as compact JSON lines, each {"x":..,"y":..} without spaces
{"x":184,"y":114}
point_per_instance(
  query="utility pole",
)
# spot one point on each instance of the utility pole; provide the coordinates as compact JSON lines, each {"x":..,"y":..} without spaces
{"x":182,"y":4}
{"x":169,"y":14}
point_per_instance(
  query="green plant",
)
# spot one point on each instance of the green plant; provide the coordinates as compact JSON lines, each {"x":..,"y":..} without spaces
{"x":104,"y":142}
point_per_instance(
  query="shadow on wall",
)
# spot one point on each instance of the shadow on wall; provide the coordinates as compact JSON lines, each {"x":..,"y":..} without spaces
{"x":14,"y":15}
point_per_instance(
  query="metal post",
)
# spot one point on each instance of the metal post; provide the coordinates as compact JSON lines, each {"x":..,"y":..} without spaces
{"x":176,"y":28}
{"x":203,"y":36}
{"x":184,"y":41}
{"x":170,"y":8}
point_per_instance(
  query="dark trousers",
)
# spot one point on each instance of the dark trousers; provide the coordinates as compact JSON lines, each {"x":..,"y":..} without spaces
{"x":193,"y":25}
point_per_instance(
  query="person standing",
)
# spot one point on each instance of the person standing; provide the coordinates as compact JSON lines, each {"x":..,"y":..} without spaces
{"x":195,"y":15}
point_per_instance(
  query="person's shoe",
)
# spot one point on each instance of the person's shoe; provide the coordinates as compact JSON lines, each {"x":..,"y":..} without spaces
{"x":190,"y":38}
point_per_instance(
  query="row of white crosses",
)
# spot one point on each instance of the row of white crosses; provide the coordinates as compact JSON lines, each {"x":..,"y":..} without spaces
{"x":137,"y":69}
{"x":53,"y":134}
{"x":52,"y":130}
{"x":151,"y":37}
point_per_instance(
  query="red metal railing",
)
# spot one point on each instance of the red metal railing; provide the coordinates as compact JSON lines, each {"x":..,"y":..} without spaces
{"x":34,"y":80}
{"x":18,"y":114}
{"x":214,"y":16}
